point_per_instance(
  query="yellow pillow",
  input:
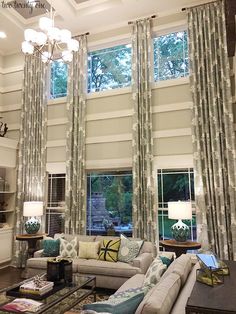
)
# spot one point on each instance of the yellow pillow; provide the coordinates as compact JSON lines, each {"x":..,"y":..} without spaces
{"x":89,"y":249}
{"x":109,"y":250}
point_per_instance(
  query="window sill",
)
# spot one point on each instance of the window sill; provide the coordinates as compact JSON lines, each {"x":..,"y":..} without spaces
{"x":171,"y":82}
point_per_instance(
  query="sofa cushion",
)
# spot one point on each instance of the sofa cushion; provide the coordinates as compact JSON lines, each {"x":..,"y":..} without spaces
{"x":154,"y":272}
{"x":181,"y":266}
{"x":68,"y":248}
{"x":109,"y":250}
{"x":160,"y":299}
{"x":129,"y":249}
{"x":51,"y":247}
{"x":89,"y":249}
{"x":41,"y":263}
{"x":119,"y":305}
{"x":97,"y":267}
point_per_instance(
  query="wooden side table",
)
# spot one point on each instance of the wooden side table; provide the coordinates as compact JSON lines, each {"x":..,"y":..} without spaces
{"x":31,"y":240}
{"x":220,"y":299}
{"x":179,"y":247}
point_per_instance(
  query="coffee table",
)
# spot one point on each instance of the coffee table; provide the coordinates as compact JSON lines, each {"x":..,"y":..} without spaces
{"x":62,"y":300}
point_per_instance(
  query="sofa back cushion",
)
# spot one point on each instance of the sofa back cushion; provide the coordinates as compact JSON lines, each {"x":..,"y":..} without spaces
{"x":160,"y":298}
{"x":181,"y":266}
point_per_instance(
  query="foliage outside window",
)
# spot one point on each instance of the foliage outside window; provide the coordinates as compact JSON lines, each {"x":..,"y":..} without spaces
{"x":174,"y":185}
{"x":171,"y":56}
{"x":109,"y":203}
{"x":109,"y":68}
{"x":59,"y":75}
{"x":55,"y":204}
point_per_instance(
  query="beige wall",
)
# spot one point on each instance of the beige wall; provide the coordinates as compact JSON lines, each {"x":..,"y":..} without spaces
{"x":109,"y":115}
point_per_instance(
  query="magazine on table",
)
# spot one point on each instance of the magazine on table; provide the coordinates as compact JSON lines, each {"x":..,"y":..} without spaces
{"x":22,"y":305}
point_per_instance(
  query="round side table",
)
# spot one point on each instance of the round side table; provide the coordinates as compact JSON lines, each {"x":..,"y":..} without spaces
{"x":179,"y":247}
{"x":31,"y":240}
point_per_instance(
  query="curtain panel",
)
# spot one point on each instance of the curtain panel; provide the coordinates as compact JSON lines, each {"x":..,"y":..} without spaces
{"x":144,"y":210}
{"x":75,"y":212}
{"x":31,"y":163}
{"x":212,"y":129}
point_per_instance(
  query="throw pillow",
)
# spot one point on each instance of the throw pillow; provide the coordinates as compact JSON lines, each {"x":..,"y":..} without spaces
{"x":109,"y":250}
{"x":166,"y":261}
{"x":120,"y":305}
{"x":130,"y":292}
{"x":51,"y":247}
{"x":129,"y":249}
{"x":89,"y":249}
{"x":68,"y":248}
{"x":154,"y":272}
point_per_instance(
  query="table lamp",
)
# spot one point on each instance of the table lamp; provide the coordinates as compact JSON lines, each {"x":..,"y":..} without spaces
{"x":32,"y":209}
{"x":180,"y":210}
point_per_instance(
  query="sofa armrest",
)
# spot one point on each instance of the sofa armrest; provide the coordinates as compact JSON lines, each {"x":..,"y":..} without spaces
{"x":143,"y":261}
{"x":38,"y":253}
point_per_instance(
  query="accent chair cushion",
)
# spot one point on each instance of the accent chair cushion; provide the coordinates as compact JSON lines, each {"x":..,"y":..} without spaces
{"x":89,"y":249}
{"x":68,"y":248}
{"x":129,"y":249}
{"x":51,"y":247}
{"x":154,"y":272}
{"x":109,"y":250}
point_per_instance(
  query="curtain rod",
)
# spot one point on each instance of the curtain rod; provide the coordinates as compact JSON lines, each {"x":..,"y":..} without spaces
{"x":198,"y":5}
{"x":81,"y":35}
{"x":151,"y":17}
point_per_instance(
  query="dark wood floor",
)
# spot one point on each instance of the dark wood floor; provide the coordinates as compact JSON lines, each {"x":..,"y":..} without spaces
{"x":9,"y":276}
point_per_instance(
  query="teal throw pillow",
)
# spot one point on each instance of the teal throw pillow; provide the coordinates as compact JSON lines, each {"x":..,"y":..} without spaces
{"x":117,"y":305}
{"x":51,"y":247}
{"x":166,"y":261}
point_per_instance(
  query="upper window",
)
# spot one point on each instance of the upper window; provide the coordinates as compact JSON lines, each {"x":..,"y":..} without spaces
{"x":109,"y":68}
{"x":171,"y":56}
{"x":58,"y":86}
{"x":109,"y":203}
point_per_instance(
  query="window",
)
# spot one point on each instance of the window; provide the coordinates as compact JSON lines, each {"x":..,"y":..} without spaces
{"x":109,"y":68}
{"x":171,"y":56}
{"x":109,"y":203}
{"x":56,"y":204}
{"x":58,"y":86}
{"x":174,"y":185}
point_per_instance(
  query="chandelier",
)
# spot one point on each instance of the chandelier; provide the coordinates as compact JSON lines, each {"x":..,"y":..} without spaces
{"x":51,"y":42}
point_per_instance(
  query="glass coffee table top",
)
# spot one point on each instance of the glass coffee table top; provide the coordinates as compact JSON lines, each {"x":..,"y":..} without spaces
{"x":59,"y":301}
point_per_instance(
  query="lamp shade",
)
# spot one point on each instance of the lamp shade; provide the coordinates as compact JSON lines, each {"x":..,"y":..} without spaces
{"x":179,"y":210}
{"x":33,"y":209}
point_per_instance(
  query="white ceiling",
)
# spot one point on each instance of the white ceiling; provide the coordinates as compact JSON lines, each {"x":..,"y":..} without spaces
{"x":82,"y":16}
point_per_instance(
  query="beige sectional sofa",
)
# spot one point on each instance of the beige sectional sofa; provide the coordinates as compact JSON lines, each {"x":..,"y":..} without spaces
{"x":108,"y":274}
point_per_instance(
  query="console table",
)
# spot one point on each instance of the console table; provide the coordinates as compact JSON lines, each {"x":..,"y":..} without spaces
{"x":32,"y":241}
{"x":179,"y":247}
{"x":218,"y":299}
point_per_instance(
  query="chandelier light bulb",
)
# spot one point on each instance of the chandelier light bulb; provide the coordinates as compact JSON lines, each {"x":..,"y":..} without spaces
{"x":45,"y":23}
{"x":65,"y":35}
{"x":41,"y":38}
{"x":67,"y":56}
{"x":30,"y":34}
{"x":73,"y":45}
{"x":26,"y":47}
{"x":54,"y":33}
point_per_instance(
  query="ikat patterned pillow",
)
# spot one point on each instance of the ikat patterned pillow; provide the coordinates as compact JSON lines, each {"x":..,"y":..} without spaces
{"x":68,"y":248}
{"x":154,"y":272}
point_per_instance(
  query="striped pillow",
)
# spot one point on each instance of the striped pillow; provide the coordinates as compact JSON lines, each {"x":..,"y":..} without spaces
{"x":109,"y":250}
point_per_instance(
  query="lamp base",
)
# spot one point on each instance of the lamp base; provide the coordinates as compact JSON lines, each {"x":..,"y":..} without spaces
{"x":180,"y":231}
{"x":32,"y":225}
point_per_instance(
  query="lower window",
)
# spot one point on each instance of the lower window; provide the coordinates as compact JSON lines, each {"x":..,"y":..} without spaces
{"x":109,"y":203}
{"x":56,"y":204}
{"x":174,"y":185}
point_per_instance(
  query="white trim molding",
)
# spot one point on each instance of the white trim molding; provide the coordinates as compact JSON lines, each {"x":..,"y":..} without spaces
{"x":9,"y":70}
{"x":172,"y":133}
{"x":8,"y":143}
{"x":109,"y":138}
{"x":56,"y":143}
{"x":6,"y":108}
{"x":173,"y":161}
{"x":56,"y":167}
{"x":8,"y":89}
{"x":109,"y":164}
{"x":171,"y":82}
{"x":172,"y":107}
{"x":109,"y":93}
{"x":109,"y":115}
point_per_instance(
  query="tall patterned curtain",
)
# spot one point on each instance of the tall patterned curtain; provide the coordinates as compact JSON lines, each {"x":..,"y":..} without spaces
{"x":213,"y":129}
{"x":144,"y":211}
{"x":75,"y":213}
{"x":31,"y":163}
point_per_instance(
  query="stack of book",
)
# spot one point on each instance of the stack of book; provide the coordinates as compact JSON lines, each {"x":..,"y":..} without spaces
{"x":31,"y":288}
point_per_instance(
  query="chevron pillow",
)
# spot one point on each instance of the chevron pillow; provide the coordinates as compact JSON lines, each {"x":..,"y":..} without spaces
{"x":109,"y":250}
